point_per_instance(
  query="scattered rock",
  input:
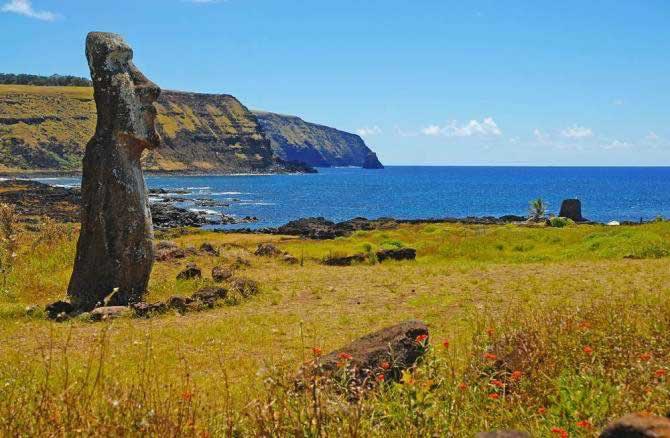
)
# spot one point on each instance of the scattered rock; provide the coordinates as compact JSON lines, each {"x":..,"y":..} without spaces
{"x":221,"y":273}
{"x":503,"y":434}
{"x":334,"y":260}
{"x":32,"y":310}
{"x":54,"y":309}
{"x":290,"y":259}
{"x":115,"y":248}
{"x":396,"y":254}
{"x":241,"y":262}
{"x":110,"y":312}
{"x":386,"y":352}
{"x":509,"y":218}
{"x":167,"y":250}
{"x":572,"y":209}
{"x":192,"y":271}
{"x":166,"y":215}
{"x":244,"y":286}
{"x":638,"y":426}
{"x":144,"y":310}
{"x":321,"y":228}
{"x":267,"y":250}
{"x":208,"y":296}
{"x":179,"y":303}
{"x":208,"y":248}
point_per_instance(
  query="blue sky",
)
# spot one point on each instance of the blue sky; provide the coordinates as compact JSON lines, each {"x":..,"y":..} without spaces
{"x":425,"y":82}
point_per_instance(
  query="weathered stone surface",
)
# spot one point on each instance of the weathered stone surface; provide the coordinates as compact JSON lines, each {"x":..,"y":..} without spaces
{"x":244,"y":286}
{"x":110,"y":312}
{"x":572,"y":209}
{"x":386,"y":352}
{"x":209,"y":249}
{"x":334,"y":260}
{"x":638,"y":426}
{"x":59,"y":307}
{"x":396,"y":254}
{"x":167,"y":250}
{"x":208,"y":296}
{"x":115,"y":248}
{"x":290,"y":259}
{"x":221,"y":273}
{"x":192,"y":271}
{"x":146,"y":309}
{"x":267,"y":250}
{"x":179,"y":303}
{"x":504,"y":434}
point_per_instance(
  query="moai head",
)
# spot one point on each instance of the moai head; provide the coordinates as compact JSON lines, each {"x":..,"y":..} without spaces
{"x":123,"y":95}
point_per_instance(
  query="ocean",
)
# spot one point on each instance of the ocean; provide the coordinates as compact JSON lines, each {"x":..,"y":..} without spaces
{"x":414,"y":192}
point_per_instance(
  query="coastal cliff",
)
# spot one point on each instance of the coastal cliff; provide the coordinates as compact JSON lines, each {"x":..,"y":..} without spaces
{"x":294,"y":139}
{"x":45,"y":129}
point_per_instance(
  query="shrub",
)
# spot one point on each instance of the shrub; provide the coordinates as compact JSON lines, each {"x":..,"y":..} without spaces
{"x":538,"y":209}
{"x":560,"y":222}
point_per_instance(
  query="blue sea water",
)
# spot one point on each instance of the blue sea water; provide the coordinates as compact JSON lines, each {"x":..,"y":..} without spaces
{"x":407,"y":192}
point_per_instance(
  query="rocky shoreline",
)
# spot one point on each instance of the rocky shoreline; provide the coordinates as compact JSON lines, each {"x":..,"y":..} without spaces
{"x":32,"y":198}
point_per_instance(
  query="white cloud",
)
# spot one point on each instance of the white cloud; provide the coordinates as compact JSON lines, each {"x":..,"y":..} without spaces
{"x":618,"y":102}
{"x":577,"y":132}
{"x":487,"y":127}
{"x":652,"y":136}
{"x":24,"y":7}
{"x":431,"y":130}
{"x":540,"y":136}
{"x":366,"y":132}
{"x":616,"y":144}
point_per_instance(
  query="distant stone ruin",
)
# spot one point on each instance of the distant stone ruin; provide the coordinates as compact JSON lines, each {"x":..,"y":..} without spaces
{"x":115,"y":253}
{"x":572,"y":209}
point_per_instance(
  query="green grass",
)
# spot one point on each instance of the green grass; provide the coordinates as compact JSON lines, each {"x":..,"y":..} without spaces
{"x":546,"y":293}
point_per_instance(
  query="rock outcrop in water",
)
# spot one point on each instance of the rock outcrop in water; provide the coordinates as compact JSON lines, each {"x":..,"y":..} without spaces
{"x":572,"y":209}
{"x":115,"y":250}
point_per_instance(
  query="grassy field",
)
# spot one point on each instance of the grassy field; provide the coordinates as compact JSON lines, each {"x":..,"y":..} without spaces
{"x":545,"y":328}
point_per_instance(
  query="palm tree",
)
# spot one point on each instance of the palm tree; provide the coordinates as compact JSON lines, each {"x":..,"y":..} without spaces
{"x":538,"y":209}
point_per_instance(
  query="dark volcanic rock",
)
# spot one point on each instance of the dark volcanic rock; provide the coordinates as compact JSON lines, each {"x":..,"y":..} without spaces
{"x":638,"y":426}
{"x":168,"y":216}
{"x":396,"y":254}
{"x":387,"y":352}
{"x":321,"y":228}
{"x":244,"y":286}
{"x":209,"y":249}
{"x":572,"y":209}
{"x":335,"y":260}
{"x":146,"y":309}
{"x":267,"y":250}
{"x":208,"y":296}
{"x":32,"y":198}
{"x":115,"y":248}
{"x":179,"y":303}
{"x":192,"y":271}
{"x":59,"y":307}
{"x":372,"y":162}
{"x":221,"y":273}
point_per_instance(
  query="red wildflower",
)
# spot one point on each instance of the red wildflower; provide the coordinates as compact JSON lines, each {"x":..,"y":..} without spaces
{"x":380,"y":377}
{"x":494,"y":396}
{"x":385,"y":365}
{"x":497,"y":383}
{"x":316,"y":351}
{"x":445,"y":343}
{"x":462,"y":386}
{"x":660,"y":372}
{"x":562,"y":433}
{"x":644,"y":357}
{"x":584,"y":424}
{"x":421,"y":338}
{"x":345,"y":356}
{"x":490,"y":356}
{"x":516,"y":376}
{"x":541,"y":410}
{"x":186,"y":395}
{"x":587,"y":349}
